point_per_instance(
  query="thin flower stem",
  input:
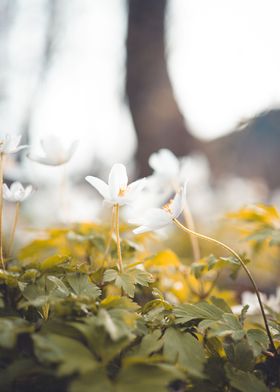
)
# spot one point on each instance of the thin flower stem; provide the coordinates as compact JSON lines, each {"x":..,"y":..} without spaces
{"x":117,"y":229}
{"x":1,"y":209}
{"x":194,"y":242}
{"x":235,"y":254}
{"x":190,"y":223}
{"x":12,"y":237}
{"x":110,"y":236}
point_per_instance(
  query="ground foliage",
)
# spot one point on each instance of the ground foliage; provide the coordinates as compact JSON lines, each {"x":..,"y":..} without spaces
{"x":71,"y":321}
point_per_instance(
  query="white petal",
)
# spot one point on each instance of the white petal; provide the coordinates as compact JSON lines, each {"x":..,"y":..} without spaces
{"x":164,"y":162}
{"x":117,"y":179}
{"x":16,"y":187}
{"x":153,"y":219}
{"x":52,"y":146}
{"x":72,"y":149}
{"x":99,"y":185}
{"x":49,"y":161}
{"x":134,"y":189}
{"x":6,"y":192}
{"x":141,"y":230}
{"x":177,"y":204}
{"x":27,"y":192}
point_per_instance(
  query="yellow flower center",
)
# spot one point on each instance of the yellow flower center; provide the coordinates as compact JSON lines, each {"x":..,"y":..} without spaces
{"x":122,"y":191}
{"x":167,"y":206}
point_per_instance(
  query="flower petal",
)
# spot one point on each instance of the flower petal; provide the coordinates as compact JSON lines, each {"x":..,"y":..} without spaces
{"x":117,"y":179}
{"x":153,"y":219}
{"x":49,"y":161}
{"x":165,"y":163}
{"x":99,"y":185}
{"x":16,"y":187}
{"x":6,"y":192}
{"x":177,"y":204}
{"x":27,"y":192}
{"x":134,"y":189}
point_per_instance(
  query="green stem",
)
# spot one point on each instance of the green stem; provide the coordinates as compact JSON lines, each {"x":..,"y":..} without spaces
{"x":117,"y":230}
{"x":235,"y":254}
{"x":12,"y":237}
{"x":110,"y":235}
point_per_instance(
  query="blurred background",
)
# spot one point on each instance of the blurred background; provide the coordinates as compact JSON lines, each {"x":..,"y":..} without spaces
{"x":127,"y":78}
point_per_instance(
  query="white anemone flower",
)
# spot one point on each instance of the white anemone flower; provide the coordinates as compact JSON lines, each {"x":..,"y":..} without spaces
{"x":10,"y":144}
{"x":157,"y":218}
{"x":16,"y":193}
{"x":117,"y":191}
{"x":165,"y":163}
{"x":54,"y":152}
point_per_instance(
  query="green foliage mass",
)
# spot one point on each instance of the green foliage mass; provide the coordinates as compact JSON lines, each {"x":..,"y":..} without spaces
{"x":71,"y":321}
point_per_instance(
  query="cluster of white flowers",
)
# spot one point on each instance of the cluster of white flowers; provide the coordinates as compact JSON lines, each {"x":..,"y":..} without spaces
{"x":54,"y":154}
{"x":118,"y":192}
{"x":248,"y":298}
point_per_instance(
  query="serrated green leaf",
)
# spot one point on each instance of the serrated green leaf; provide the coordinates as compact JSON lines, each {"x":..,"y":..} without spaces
{"x":203,"y":310}
{"x":82,"y":286}
{"x":110,"y":275}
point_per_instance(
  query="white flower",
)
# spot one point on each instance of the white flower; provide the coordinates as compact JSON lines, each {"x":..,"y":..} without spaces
{"x":17,"y":193}
{"x":165,"y":163}
{"x":172,"y":172}
{"x":249,"y":298}
{"x":157,"y":218}
{"x":11,"y":144}
{"x":117,"y":191}
{"x":55,"y":153}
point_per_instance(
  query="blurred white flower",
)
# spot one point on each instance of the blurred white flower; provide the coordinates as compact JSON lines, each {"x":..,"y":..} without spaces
{"x":173,"y":172}
{"x":11,"y":144}
{"x":249,"y":298}
{"x":55,"y":153}
{"x":157,"y":218}
{"x":16,"y":193}
{"x":117,"y":191}
{"x":165,"y":163}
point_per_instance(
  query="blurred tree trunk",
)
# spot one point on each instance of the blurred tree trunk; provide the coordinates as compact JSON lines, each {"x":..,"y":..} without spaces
{"x":157,"y":119}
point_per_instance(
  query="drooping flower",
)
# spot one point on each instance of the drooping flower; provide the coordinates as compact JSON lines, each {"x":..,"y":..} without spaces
{"x":157,"y":218}
{"x":54,"y":152}
{"x":16,"y":193}
{"x":117,"y":191}
{"x":10,"y":144}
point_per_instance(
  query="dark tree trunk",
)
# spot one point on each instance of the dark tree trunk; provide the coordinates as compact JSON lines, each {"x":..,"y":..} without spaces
{"x":157,"y":119}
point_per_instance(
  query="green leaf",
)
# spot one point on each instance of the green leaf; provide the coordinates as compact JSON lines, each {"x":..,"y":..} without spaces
{"x":197,"y":269}
{"x":70,"y":355}
{"x":241,"y":356}
{"x":10,"y":328}
{"x":150,"y":343}
{"x":59,"y":284}
{"x":95,"y":381}
{"x":184,"y":349}
{"x":228,"y":325}
{"x":244,"y":381}
{"x":141,"y":277}
{"x":201,"y":311}
{"x":126,"y":282}
{"x":258,"y":340}
{"x":53,"y":261}
{"x":110,"y":275}
{"x":146,"y":378}
{"x":82,"y":286}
